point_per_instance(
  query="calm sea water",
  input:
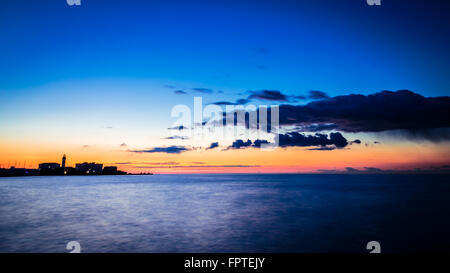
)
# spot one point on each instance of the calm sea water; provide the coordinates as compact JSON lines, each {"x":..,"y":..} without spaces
{"x":225,"y":213}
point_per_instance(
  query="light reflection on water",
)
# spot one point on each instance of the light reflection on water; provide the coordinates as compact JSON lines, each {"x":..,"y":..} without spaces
{"x":225,"y":213}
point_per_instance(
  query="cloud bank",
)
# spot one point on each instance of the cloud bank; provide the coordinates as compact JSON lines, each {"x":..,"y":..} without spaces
{"x":383,"y":111}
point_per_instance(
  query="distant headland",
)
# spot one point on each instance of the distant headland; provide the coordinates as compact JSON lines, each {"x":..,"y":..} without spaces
{"x":53,"y":169}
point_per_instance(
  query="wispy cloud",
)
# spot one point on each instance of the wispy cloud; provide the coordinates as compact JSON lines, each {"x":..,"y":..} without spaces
{"x":443,"y":169}
{"x":167,"y":150}
{"x":177,"y":137}
{"x":180,"y":92}
{"x":197,"y":166}
{"x":326,"y":148}
{"x":147,"y":163}
{"x":276,"y":95}
{"x":238,"y":102}
{"x":202,"y":90}
{"x":181,"y":127}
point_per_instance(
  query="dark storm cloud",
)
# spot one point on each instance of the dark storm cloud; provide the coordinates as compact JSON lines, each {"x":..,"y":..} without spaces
{"x":239,"y":143}
{"x":302,"y":140}
{"x":213,"y":145}
{"x":275,"y":95}
{"x":167,"y":150}
{"x":268,"y":95}
{"x":401,"y":110}
{"x":299,"y":97}
{"x":294,"y":139}
{"x":317,"y":95}
{"x":257,"y":143}
{"x":272,"y":95}
{"x":242,"y":101}
{"x":317,"y":127}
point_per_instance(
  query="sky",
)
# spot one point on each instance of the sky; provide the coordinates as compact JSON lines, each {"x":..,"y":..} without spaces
{"x":98,"y":82}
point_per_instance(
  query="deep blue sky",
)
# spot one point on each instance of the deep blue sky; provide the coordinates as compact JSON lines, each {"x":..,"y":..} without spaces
{"x":292,"y":46}
{"x":83,"y":80}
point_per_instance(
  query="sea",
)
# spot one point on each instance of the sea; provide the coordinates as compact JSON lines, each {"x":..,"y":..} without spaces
{"x":231,"y":213}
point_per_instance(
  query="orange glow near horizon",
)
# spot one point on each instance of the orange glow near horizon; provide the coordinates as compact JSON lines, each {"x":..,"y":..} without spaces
{"x":405,"y":156}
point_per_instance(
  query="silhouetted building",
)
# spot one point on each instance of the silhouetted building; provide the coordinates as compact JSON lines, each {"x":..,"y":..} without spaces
{"x":70,"y":171}
{"x":110,"y":170}
{"x":89,"y":168}
{"x":63,"y":165}
{"x":18,"y":172}
{"x":48,"y":166}
{"x":50,"y":169}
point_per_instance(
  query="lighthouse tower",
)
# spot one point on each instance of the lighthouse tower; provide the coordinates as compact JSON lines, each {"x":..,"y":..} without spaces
{"x":63,"y":165}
